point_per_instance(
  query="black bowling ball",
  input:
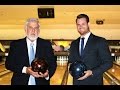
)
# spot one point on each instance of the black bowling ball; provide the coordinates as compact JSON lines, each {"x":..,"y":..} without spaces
{"x":77,"y":69}
{"x":39,"y":65}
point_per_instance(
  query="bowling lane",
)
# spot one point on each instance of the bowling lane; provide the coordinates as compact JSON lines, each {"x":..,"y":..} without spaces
{"x":5,"y":80}
{"x":105,"y":81}
{"x":55,"y":80}
{"x":115,"y":71}
{"x":70,"y":78}
{"x":58,"y":76}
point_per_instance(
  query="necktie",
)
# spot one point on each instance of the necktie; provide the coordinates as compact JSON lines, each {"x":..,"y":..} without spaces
{"x":82,"y":46}
{"x":31,"y":57}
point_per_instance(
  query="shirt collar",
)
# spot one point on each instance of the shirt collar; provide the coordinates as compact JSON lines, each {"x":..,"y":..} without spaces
{"x":86,"y":35}
{"x":29,"y":42}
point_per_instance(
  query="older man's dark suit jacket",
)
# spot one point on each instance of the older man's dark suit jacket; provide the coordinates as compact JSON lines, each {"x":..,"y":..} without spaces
{"x":96,"y":56}
{"x":18,"y":58}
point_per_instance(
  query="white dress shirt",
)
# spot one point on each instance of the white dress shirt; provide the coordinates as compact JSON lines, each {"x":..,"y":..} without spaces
{"x":86,"y":36}
{"x":28,"y":46}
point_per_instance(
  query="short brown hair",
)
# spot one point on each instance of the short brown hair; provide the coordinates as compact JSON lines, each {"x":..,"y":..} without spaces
{"x":83,"y":16}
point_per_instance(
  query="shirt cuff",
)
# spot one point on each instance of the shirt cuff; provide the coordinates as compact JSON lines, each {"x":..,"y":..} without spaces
{"x":24,"y":69}
{"x":47,"y":78}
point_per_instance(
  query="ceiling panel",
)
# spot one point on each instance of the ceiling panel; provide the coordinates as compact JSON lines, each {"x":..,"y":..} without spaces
{"x":64,"y":14}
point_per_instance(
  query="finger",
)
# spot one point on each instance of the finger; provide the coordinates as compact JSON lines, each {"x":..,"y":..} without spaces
{"x":83,"y":77}
{"x":47,"y":71}
{"x":46,"y":74}
{"x":40,"y":73}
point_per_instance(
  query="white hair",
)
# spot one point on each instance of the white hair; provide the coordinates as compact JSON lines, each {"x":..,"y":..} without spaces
{"x":31,"y":20}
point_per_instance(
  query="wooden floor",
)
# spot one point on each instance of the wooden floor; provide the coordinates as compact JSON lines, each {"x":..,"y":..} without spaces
{"x":57,"y":78}
{"x":115,"y":71}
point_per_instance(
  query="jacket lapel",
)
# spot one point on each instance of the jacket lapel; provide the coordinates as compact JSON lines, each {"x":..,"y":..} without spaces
{"x":40,"y":52}
{"x":37,"y":46}
{"x":88,"y":44}
{"x":77,"y":54}
{"x":25,"y":50}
